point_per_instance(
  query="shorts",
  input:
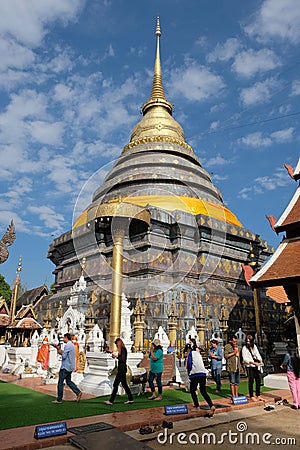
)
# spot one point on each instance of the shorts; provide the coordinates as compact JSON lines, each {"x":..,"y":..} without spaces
{"x":234,"y":378}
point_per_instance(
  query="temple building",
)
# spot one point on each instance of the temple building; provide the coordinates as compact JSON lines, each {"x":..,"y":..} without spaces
{"x":158,"y":230}
{"x":282,"y":272}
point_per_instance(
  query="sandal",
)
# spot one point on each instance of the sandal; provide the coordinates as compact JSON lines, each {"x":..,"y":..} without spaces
{"x":145,"y":430}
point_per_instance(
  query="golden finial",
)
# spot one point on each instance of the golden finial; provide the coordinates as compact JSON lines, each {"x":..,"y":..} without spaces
{"x":19,"y":269}
{"x":157,"y":124}
{"x":157,"y":93}
{"x":157,"y":32}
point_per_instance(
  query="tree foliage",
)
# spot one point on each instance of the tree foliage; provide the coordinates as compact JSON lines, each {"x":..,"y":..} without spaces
{"x":5,"y":290}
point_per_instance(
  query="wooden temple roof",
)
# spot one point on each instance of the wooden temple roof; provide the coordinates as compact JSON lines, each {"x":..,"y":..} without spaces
{"x":27,"y":323}
{"x":4,"y":313}
{"x":291,"y":215}
{"x":32,"y":296}
{"x":282,"y":268}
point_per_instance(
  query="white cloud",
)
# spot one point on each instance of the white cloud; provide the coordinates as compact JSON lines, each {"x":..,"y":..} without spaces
{"x":260,"y":92}
{"x":224,"y":52}
{"x":250,"y":62}
{"x":45,"y":132}
{"x":265,"y":183}
{"x":216,"y":161}
{"x":14,"y":55}
{"x":276,"y":19}
{"x":26,"y":21}
{"x":279,"y":179}
{"x":283,"y":135}
{"x":214,"y":125}
{"x":50,"y":218}
{"x":195,"y":82}
{"x":20,"y":187}
{"x":256,"y":140}
{"x":12,"y":78}
{"x":110,"y":51}
{"x":295,"y":88}
{"x":62,"y":173}
{"x":21,"y":225}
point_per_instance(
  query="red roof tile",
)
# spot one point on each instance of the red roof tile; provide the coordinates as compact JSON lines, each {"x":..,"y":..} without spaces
{"x":283,"y":266}
{"x":278,"y":294}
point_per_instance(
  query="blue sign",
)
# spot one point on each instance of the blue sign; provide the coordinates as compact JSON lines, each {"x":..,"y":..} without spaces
{"x":240,"y":400}
{"x":176,"y":409}
{"x":50,"y":429}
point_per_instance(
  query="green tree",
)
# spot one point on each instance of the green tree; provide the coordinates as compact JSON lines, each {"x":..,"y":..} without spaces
{"x":5,"y":290}
{"x":51,"y":289}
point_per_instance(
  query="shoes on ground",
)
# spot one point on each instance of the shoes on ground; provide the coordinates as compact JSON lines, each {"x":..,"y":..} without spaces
{"x":107,"y":402}
{"x":159,"y":397}
{"x":146,"y":430}
{"x":56,"y":401}
{"x":78,"y":397}
{"x":153,"y":396}
{"x":168,"y":425}
{"x":269,"y":407}
{"x":294,"y":407}
{"x":128,"y":402}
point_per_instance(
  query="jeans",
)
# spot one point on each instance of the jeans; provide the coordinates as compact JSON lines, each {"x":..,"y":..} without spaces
{"x":216,"y":375}
{"x":201,"y":380}
{"x":234,"y":378}
{"x":151,"y":377}
{"x":253,"y":374}
{"x":65,"y":375}
{"x":120,"y":378}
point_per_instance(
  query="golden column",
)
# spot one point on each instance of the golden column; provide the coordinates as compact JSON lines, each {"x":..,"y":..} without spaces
{"x":200,"y":325}
{"x":14,"y":296}
{"x":119,"y":215}
{"x":119,"y":224}
{"x":172,"y":323}
{"x":139,"y":325}
{"x":256,"y":299}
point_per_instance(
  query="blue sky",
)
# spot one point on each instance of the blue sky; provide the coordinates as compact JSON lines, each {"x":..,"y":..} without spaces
{"x":74,"y":73}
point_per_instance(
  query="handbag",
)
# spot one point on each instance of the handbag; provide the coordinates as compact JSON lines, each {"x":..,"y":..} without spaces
{"x":263,"y":372}
{"x":113,"y":372}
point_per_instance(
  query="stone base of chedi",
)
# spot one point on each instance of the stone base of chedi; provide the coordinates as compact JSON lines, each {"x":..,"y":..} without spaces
{"x":97,"y":382}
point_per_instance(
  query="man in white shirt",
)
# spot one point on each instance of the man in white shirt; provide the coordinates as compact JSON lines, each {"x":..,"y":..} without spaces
{"x":68,"y":365}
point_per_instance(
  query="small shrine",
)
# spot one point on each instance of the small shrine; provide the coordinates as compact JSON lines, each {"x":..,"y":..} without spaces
{"x":4,"y":319}
{"x":23,"y":326}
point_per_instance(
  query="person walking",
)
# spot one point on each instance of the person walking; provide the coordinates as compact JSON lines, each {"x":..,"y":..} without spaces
{"x":291,"y":363}
{"x":197,"y":375}
{"x":252,"y":361}
{"x":121,"y":355}
{"x":233,"y":365}
{"x":156,"y":369}
{"x":68,"y":365}
{"x":215,"y":355}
